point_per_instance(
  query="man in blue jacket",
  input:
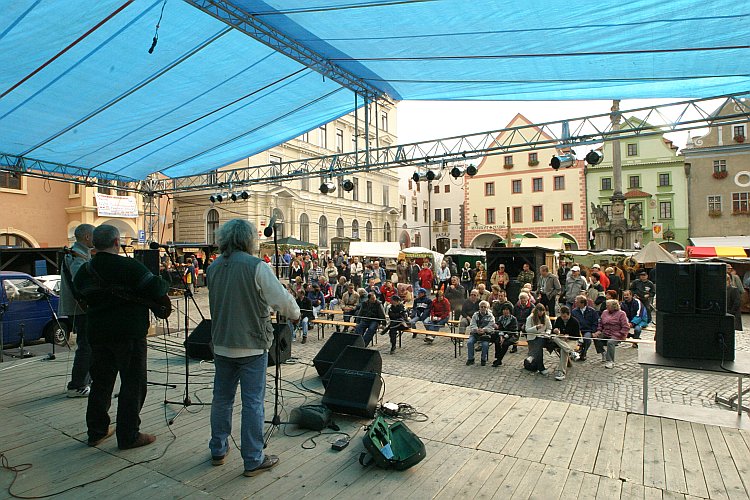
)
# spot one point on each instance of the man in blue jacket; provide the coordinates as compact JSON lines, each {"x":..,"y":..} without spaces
{"x":420,"y":310}
{"x":588,"y":320}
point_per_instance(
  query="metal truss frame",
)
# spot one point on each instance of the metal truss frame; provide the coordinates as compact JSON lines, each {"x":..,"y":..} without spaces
{"x":588,"y":131}
{"x":232,"y":15}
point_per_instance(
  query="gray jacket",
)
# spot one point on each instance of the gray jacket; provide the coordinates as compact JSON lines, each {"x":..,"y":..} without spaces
{"x":574,"y":287}
{"x":550,"y":285}
{"x":68,"y":305}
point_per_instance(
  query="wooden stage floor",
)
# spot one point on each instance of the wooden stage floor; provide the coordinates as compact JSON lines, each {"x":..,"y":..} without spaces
{"x":480,"y":444}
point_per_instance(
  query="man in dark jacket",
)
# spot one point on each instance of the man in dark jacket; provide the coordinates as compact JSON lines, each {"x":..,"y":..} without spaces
{"x":588,"y":321}
{"x":117,"y":334}
{"x":455,"y":294}
{"x":398,"y":321}
{"x":645,"y":290}
{"x":468,"y":308}
{"x":420,"y":310}
{"x":306,"y":311}
{"x":370,"y":316}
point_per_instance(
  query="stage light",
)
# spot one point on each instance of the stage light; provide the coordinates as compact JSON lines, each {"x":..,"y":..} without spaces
{"x":471,"y":170}
{"x":220,"y":197}
{"x":433,"y":175}
{"x":457,"y":172}
{"x":419,"y":176}
{"x":212,"y":198}
{"x":233,"y":196}
{"x":327,"y":187}
{"x":594,"y":157}
{"x":244,"y":195}
{"x":565,"y":161}
{"x":347,"y":185}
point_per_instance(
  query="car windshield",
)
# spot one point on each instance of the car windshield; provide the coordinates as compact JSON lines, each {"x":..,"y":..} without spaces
{"x":21,"y":289}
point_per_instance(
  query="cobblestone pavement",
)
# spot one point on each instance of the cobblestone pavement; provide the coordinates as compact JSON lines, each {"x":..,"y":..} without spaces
{"x":587,"y":383}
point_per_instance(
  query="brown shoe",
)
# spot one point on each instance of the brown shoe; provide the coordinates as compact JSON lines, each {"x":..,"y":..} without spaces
{"x":268,"y":462}
{"x":97,"y":442}
{"x":141,"y":440}
{"x":215,"y":460}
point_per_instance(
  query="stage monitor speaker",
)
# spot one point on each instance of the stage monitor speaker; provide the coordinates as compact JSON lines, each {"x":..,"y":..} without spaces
{"x":198,"y":343}
{"x":695,"y":336}
{"x":353,"y":392}
{"x":331,"y":350}
{"x":356,"y":358}
{"x":149,"y":258}
{"x":711,"y":288}
{"x":282,"y":334}
{"x":676,"y":288}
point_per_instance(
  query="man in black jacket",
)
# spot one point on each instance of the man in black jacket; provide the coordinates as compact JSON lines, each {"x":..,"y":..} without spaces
{"x":645,"y":290}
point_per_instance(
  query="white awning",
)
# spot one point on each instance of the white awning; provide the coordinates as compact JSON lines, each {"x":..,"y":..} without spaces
{"x":551,"y":243}
{"x":385,"y":249}
{"x":722,"y":241}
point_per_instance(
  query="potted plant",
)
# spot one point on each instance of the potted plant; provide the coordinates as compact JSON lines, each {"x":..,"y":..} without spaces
{"x":507,"y":165}
{"x":721,"y":174}
{"x":739,"y":138}
{"x":741,"y":212}
{"x":533,"y":163}
{"x":714,"y":213}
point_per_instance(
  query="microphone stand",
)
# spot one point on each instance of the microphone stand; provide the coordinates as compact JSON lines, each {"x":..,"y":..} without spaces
{"x":186,"y":401}
{"x":2,"y":339}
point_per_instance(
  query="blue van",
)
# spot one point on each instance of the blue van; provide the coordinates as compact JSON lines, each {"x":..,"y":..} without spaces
{"x":23,"y":305}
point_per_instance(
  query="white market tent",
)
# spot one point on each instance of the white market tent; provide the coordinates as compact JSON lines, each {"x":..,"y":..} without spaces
{"x":550,"y":243}
{"x":385,"y":249}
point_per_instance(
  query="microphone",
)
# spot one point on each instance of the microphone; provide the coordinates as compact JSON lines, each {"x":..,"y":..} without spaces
{"x":153,"y":45}
{"x":155,"y":246}
{"x":268,"y":231}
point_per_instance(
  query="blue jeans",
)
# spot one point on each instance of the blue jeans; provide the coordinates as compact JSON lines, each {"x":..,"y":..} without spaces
{"x":470,"y":348}
{"x":250,"y":373}
{"x":586,"y":342}
{"x":434,"y":326}
{"x":304,"y":324}
{"x":367,"y":329}
{"x":413,"y":320}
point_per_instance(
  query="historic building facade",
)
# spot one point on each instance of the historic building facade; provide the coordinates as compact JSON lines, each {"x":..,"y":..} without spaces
{"x":718,"y":172}
{"x":369,"y":212}
{"x":523,"y":190}
{"x":653,"y":183}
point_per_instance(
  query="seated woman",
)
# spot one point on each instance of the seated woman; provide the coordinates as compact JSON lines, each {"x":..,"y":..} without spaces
{"x":537,"y":324}
{"x":613,"y":327}
{"x":565,"y":326}
{"x":506,"y":326}
{"x":480,"y":330}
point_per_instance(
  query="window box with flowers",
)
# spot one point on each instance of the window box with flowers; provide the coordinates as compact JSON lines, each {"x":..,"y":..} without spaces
{"x":741,"y":212}
{"x":721,"y":174}
{"x":507,"y":165}
{"x":533,"y":163}
{"x":739,"y":138}
{"x":714,"y":213}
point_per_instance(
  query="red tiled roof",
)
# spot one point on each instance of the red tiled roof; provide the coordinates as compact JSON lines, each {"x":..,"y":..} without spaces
{"x":637,"y":193}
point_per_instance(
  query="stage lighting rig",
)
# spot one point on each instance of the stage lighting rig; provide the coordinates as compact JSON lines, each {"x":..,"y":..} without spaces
{"x":419,"y":176}
{"x":347,"y":185}
{"x":594,"y":157}
{"x":457,"y":172}
{"x":217,"y":198}
{"x":328,"y":186}
{"x":565,"y":160}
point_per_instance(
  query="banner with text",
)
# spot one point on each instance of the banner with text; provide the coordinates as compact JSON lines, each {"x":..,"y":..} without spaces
{"x":116,"y":206}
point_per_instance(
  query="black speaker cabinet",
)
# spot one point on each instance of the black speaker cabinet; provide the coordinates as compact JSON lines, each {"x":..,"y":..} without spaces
{"x":331,"y":350}
{"x":198,"y":343}
{"x":149,"y":258}
{"x":353,"y":392}
{"x":356,"y":358}
{"x":695,"y":336}
{"x":676,"y":290}
{"x":282,"y":335}
{"x":711,"y":288}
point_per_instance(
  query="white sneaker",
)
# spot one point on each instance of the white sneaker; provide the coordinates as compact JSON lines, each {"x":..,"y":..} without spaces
{"x":560,"y":376}
{"x":83,"y":392}
{"x":544,"y":372}
{"x":575,"y":357}
{"x":609,"y":364}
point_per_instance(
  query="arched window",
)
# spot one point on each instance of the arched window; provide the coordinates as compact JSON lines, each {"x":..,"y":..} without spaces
{"x":355,"y":229}
{"x":323,"y":232}
{"x":387,"y":232}
{"x":304,"y":227}
{"x":212,"y":224}
{"x":368,"y":231}
{"x":340,"y":228}
{"x":14,"y":240}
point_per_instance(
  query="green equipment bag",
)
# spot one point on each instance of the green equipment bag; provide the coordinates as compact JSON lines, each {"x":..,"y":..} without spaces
{"x":392,"y":446}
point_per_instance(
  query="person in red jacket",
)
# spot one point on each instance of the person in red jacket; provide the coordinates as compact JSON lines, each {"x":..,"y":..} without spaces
{"x":439,"y":315}
{"x":426,"y":277}
{"x":387,"y":291}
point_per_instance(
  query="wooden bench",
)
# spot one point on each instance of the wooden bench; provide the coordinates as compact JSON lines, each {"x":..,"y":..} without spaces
{"x":322,"y":323}
{"x":456,"y":338}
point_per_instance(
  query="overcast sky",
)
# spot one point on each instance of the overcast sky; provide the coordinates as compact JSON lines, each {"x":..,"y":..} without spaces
{"x":428,"y":120}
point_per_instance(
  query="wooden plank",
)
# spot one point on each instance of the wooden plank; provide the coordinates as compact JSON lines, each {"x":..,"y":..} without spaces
{"x":653,"y":454}
{"x":472,"y":406}
{"x":551,"y":483}
{"x":526,"y":426}
{"x":631,"y":465}
{"x":455,"y":405}
{"x":711,"y":473}
{"x":611,"y":446}
{"x":536,"y":444}
{"x":631,"y":491}
{"x":572,"y":484}
{"x":740,"y":454}
{"x":589,"y":486}
{"x":473,"y":420}
{"x":510,"y":483}
{"x":563,"y":443}
{"x":672,"y":495}
{"x":587,"y":448}
{"x":501,"y":430}
{"x":728,"y":470}
{"x":696,"y":483}
{"x":477,"y":470}
{"x":496,"y":478}
{"x":428,"y":485}
{"x":673,"y":468}
{"x":489,"y":422}
{"x":529,"y":481}
{"x":609,"y":488}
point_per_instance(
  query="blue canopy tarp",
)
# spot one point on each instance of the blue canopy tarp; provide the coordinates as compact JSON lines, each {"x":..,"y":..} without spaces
{"x":79,"y":88}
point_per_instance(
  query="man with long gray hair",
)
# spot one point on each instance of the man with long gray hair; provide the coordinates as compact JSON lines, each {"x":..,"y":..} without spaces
{"x":241,"y":292}
{"x":115,"y":288}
